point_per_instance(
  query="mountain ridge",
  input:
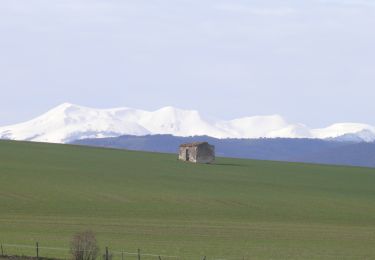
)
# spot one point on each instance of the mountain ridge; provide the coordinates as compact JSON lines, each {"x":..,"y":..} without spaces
{"x":68,"y":122}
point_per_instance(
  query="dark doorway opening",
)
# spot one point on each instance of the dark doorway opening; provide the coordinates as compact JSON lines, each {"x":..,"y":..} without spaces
{"x":187,"y":155}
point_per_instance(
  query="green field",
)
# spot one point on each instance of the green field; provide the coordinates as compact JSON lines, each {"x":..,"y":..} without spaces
{"x":235,"y":209}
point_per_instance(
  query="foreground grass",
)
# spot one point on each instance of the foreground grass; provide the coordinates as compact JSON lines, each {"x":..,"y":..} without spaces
{"x":230,"y":210}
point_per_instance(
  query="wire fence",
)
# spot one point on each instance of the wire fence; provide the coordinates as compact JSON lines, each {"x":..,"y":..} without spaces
{"x":43,"y":252}
{"x":37,"y":251}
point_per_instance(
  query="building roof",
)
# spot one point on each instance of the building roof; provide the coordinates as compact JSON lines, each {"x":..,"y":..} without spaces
{"x":193,"y":144}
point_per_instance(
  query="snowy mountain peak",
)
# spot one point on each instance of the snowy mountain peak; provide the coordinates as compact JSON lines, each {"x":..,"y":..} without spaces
{"x":365,"y":135}
{"x":68,"y":122}
{"x":65,"y":106}
{"x":64,"y":110}
{"x":169,"y":109}
{"x":176,"y":112}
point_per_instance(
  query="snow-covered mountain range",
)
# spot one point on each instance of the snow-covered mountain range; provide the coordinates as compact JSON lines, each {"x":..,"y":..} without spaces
{"x":68,"y":122}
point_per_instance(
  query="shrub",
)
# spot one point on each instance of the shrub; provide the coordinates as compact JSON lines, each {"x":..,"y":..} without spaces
{"x":84,"y":246}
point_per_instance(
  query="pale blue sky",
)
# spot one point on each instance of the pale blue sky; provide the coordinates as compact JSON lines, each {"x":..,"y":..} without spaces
{"x":311,"y":61}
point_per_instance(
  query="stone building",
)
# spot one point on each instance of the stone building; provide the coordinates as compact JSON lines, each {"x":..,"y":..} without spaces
{"x":200,"y":152}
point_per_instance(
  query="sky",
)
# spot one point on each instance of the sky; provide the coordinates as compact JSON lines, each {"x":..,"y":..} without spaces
{"x":311,"y":61}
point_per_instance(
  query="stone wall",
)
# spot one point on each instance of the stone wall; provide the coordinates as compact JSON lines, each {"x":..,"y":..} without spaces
{"x":188,"y":154}
{"x":202,"y":153}
{"x":206,"y":154}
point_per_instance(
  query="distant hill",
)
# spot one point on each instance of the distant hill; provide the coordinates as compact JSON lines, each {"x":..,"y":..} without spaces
{"x":278,"y":149}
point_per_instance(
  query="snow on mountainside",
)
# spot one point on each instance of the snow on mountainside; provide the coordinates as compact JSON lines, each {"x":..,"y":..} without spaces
{"x":336,"y":130}
{"x":250,"y":127}
{"x":69,"y":122}
{"x":358,"y":137}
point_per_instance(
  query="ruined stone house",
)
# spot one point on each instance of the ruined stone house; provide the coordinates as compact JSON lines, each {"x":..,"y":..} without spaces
{"x":200,"y":152}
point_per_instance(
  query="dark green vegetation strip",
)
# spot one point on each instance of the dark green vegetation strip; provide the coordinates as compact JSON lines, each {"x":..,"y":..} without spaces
{"x":233,"y":209}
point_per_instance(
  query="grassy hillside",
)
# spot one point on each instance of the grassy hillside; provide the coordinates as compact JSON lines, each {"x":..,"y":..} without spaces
{"x":230,"y":210}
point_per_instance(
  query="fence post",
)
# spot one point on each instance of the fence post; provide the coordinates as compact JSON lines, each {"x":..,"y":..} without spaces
{"x":204,"y":258}
{"x":159,"y":257}
{"x":2,"y":250}
{"x":139,"y":254}
{"x":106,"y":253}
{"x":122,"y":255}
{"x":37,"y":250}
